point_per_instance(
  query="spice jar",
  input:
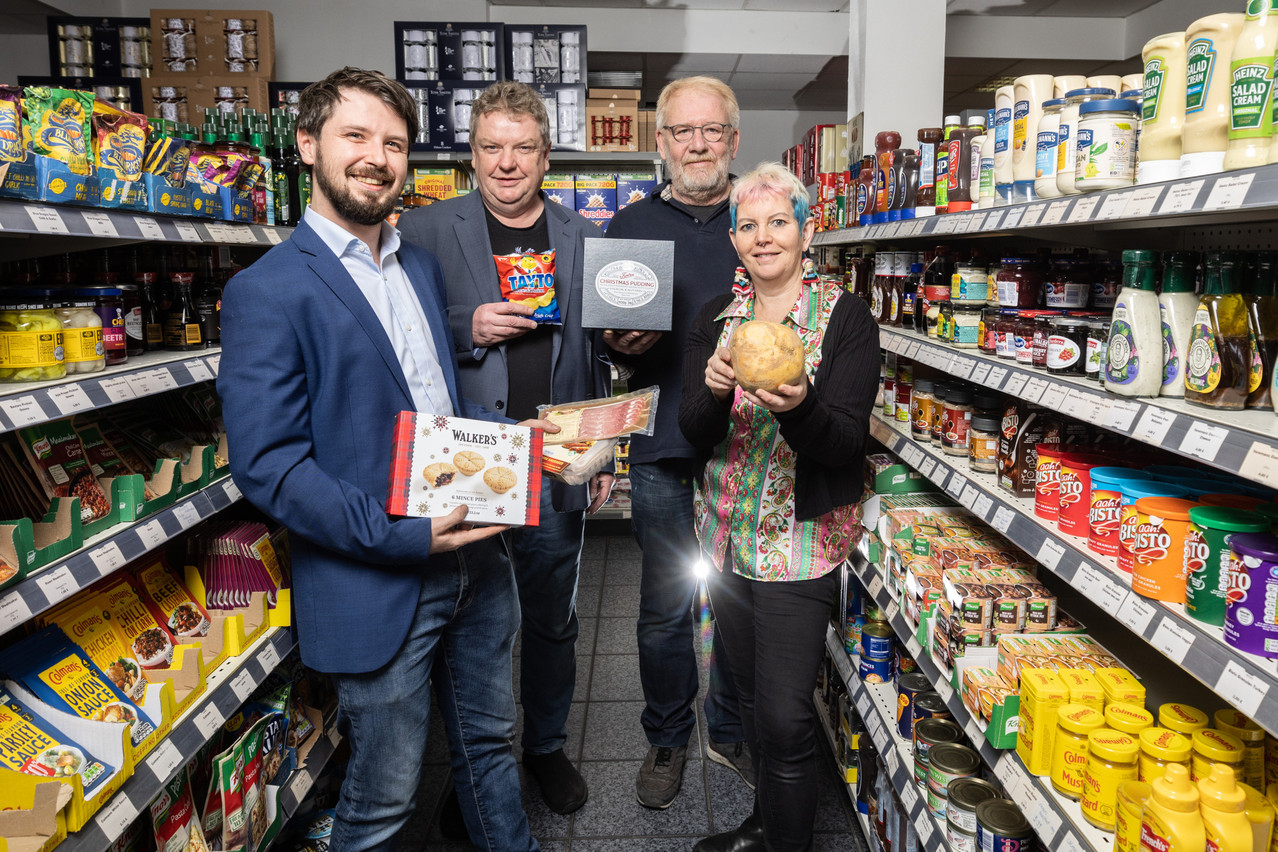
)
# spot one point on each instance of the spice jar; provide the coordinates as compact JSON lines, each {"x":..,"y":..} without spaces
{"x":1020,"y":283}
{"x":921,"y":402}
{"x":956,"y":421}
{"x":1069,"y":747}
{"x":1069,"y":284}
{"x":983,"y":435}
{"x":1111,"y":760}
{"x":1160,"y":748}
{"x":1212,"y":746}
{"x":82,"y":344}
{"x":939,"y":391}
{"x":31,"y":340}
{"x":966,"y":324}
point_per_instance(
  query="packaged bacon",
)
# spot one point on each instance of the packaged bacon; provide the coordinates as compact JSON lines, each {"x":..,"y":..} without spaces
{"x":597,"y":419}
{"x":530,"y":279}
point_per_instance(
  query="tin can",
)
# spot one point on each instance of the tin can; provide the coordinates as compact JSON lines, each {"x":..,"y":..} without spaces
{"x":946,"y":763}
{"x":875,"y":671}
{"x":960,"y":841}
{"x":964,"y":795}
{"x":929,"y":733}
{"x":929,"y":705}
{"x":908,"y":687}
{"x":874,"y":612}
{"x":877,"y":641}
{"x":905,"y":664}
{"x":1001,"y":827}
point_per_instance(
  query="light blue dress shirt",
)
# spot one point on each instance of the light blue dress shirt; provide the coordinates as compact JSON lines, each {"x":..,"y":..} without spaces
{"x":392,"y":299}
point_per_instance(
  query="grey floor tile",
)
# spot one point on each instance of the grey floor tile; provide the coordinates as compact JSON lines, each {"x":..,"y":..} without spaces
{"x":620,"y":601}
{"x":591,"y":572}
{"x":614,"y":812}
{"x":594,"y":546}
{"x":587,"y":627}
{"x":613,"y":731}
{"x":616,"y":678}
{"x":616,"y":636}
{"x":730,"y":799}
{"x":842,"y":842}
{"x":588,"y":601}
{"x":624,"y":570}
{"x":542,"y":820}
{"x":631,"y":844}
{"x":623,"y":546}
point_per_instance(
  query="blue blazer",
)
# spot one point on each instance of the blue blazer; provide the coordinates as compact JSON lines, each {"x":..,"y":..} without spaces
{"x":456,"y":230}
{"x":310,"y":388}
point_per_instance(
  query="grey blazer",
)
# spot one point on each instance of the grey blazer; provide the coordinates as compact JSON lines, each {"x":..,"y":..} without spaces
{"x":456,"y":231}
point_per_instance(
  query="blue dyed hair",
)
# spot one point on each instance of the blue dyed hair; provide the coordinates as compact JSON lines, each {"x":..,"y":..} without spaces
{"x":770,"y":178}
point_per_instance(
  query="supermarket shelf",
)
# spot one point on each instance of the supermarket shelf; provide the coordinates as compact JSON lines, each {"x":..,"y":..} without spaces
{"x":229,"y":685}
{"x":1051,"y":814}
{"x":828,"y":725}
{"x":601,"y":158}
{"x":150,"y":373}
{"x":1248,"y":194}
{"x":610,"y":513}
{"x":1242,"y":680}
{"x":299,"y":785}
{"x":1240,"y":442}
{"x":108,"y":552}
{"x":877,"y":705}
{"x":49,"y":220}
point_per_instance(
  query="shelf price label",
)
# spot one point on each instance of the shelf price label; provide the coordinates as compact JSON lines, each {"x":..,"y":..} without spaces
{"x":1012,"y":217}
{"x":1094,"y":583}
{"x":1154,"y":425}
{"x":269,"y":658}
{"x":1034,"y":390}
{"x":876,"y":586}
{"x":1003,"y":519}
{"x":1142,"y":202}
{"x":149,"y":228}
{"x":1030,"y":217}
{"x":997,"y":374}
{"x":13,"y":610}
{"x":209,"y":720}
{"x":1241,"y":689}
{"x":1121,"y":414}
{"x":242,"y":684}
{"x":993,"y":220}
{"x":1261,"y":463}
{"x":1069,"y":843}
{"x":187,"y":232}
{"x":273,"y":236}
{"x":117,"y":388}
{"x":198,"y":369}
{"x":1085,"y":406}
{"x":945,"y":690}
{"x":1181,"y":197}
{"x":925,"y":830}
{"x":982,"y":505}
{"x":1172,"y":639}
{"x":1050,"y":553}
{"x":1054,"y":396}
{"x":1083,"y":208}
{"x":1055,"y":212}
{"x":23,"y":411}
{"x":1114,"y":205}
{"x":968,"y":496}
{"x":106,"y":558}
{"x":70,"y":398}
{"x":1015,"y":384}
{"x":100,"y":224}
{"x":118,"y":814}
{"x":1136,"y":613}
{"x":46,"y":220}
{"x":1203,"y":440}
{"x":909,"y":795}
{"x":1228,"y":192}
{"x":927,"y":466}
{"x":58,"y":585}
{"x":980,"y":373}
{"x":891,"y":611}
{"x":164,"y":760}
{"x":187,"y":514}
{"x":1045,"y":821}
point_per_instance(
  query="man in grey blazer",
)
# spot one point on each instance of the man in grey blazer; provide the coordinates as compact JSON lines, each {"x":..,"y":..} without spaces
{"x":511,"y":364}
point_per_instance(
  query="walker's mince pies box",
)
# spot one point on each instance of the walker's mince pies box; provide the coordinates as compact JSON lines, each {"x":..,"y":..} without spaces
{"x":629,"y":284}
{"x":440,"y":463}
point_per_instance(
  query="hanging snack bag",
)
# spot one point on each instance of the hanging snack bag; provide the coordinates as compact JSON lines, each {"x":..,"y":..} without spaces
{"x":530,"y":279}
{"x":174,"y":820}
{"x":31,"y":744}
{"x":58,"y":121}
{"x":12,"y":142}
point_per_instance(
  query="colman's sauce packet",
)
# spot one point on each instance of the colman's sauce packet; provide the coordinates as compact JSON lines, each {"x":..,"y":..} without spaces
{"x":12,"y":143}
{"x":58,"y":120}
{"x":530,"y":278}
{"x":119,"y":140}
{"x":31,"y":744}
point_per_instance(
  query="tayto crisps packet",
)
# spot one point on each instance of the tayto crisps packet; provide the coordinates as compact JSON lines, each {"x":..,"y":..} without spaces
{"x":12,"y":144}
{"x":530,"y":279}
{"x":59,"y":123}
{"x":119,"y":140}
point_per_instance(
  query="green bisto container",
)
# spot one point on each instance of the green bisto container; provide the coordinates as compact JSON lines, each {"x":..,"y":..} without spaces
{"x":1207,"y":557}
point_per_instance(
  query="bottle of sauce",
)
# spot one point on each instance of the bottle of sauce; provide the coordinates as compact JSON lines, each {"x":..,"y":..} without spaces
{"x":1004,"y":98}
{"x":1177,"y":304}
{"x":1262,"y":312}
{"x":1133,"y":357}
{"x":1029,"y":92}
{"x":909,"y":188}
{"x":1049,"y":124}
{"x":1163,"y":110}
{"x":1222,"y":802}
{"x":865,"y":196}
{"x":1251,"y":77}
{"x":1171,"y":821}
{"x":885,"y":142}
{"x":986,"y":197}
{"x":1105,"y":81}
{"x":952,"y":123}
{"x":929,"y":142}
{"x":1067,"y":83}
{"x":182,"y":321}
{"x":959,"y":166}
{"x":1219,"y":362}
{"x":152,"y":322}
{"x":1067,"y":135}
{"x":1208,"y":41}
{"x":1132,"y":81}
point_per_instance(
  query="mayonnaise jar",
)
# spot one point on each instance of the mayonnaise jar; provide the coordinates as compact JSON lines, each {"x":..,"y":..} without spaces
{"x":1209,"y":42}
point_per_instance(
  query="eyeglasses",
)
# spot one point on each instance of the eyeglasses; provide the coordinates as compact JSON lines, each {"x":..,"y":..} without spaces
{"x":710,"y":132}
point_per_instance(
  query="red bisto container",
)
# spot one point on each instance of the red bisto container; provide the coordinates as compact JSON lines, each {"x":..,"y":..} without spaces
{"x":1074,"y":487}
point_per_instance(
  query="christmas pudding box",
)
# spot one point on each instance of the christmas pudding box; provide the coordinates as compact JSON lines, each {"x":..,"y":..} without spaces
{"x":440,"y":463}
{"x":629,"y":284}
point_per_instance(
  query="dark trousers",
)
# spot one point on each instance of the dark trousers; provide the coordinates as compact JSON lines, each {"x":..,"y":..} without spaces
{"x":775,"y":636}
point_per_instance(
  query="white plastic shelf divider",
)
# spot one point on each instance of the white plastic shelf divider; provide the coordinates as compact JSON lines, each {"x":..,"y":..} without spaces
{"x":1051,"y":815}
{"x":108,"y":552}
{"x":1247,"y":191}
{"x":229,"y":685}
{"x":23,"y":404}
{"x":1239,"y":442}
{"x":1242,"y":680}
{"x":60,"y":220}
{"x":877,"y":705}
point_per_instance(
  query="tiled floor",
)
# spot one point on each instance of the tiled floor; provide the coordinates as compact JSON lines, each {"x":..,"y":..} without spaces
{"x":608,"y":744}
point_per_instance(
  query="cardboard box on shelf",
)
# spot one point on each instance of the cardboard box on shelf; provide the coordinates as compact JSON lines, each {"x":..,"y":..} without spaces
{"x":612,"y":120}
{"x":450,"y":51}
{"x":108,"y":47}
{"x":184,"y":98}
{"x":560,"y":189}
{"x":213,"y":42}
{"x":546,"y":53}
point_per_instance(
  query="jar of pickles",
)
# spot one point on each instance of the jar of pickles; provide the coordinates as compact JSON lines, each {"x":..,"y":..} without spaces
{"x":31,"y":348}
{"x":81,"y":333}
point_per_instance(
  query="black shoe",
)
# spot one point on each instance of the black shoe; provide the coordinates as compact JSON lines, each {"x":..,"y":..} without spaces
{"x":661,"y":776}
{"x":562,"y":787}
{"x":452,"y":826}
{"x":735,"y":756}
{"x":747,"y":837}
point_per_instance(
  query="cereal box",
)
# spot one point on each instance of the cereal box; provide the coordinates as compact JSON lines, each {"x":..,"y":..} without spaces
{"x":440,"y":463}
{"x":597,"y":198}
{"x":560,"y":189}
{"x":632,"y":188}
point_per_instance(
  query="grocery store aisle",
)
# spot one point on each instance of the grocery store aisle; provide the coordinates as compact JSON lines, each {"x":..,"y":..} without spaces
{"x":608,"y":743}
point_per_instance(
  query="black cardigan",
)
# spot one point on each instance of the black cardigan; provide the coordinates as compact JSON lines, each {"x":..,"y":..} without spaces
{"x":828,"y":430}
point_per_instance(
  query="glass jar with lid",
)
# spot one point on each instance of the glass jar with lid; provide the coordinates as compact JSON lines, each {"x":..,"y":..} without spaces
{"x":1020,"y":283}
{"x":921,"y":404}
{"x":939,"y":392}
{"x":956,"y":420}
{"x":1097,"y":344}
{"x":1067,"y":346}
{"x":933,"y":319}
{"x":84,"y":350}
{"x":1107,"y":280}
{"x":966,"y":323}
{"x":1105,"y":155}
{"x":1005,"y":334}
{"x":110,"y":307}
{"x":1023,"y":338}
{"x":983,"y":437}
{"x":988,"y":335}
{"x":1069,"y":284}
{"x":31,"y":343}
{"x":969,"y":285}
{"x":945,"y":322}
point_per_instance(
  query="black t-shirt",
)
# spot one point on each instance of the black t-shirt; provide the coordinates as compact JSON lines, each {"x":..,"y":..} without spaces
{"x":527,"y":356}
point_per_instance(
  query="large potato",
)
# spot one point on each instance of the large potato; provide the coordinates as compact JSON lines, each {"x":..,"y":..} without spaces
{"x":766,"y":355}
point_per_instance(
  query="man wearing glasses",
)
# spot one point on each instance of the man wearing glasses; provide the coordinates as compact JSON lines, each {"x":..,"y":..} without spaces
{"x":697,"y":137}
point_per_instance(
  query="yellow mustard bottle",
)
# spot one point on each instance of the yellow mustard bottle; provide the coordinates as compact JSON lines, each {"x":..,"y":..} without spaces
{"x":1171,"y":821}
{"x":1160,"y":748}
{"x":1069,"y":747}
{"x":1212,"y":746}
{"x":1111,"y":760}
{"x":1131,"y":719}
{"x":1181,"y":718}
{"x":1271,"y":761}
{"x":1260,"y":813}
{"x":1233,"y":722}
{"x":1132,"y":796}
{"x":1222,"y":803}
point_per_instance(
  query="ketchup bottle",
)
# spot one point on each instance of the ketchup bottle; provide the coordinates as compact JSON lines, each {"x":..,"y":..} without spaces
{"x":884,"y":144}
{"x":865,"y":195}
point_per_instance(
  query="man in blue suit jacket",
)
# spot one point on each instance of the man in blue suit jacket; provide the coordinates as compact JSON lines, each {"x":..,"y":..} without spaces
{"x":511,"y":363}
{"x":325,"y":340}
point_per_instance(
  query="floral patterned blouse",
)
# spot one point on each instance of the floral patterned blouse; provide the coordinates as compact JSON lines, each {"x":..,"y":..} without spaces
{"x":745,"y":498}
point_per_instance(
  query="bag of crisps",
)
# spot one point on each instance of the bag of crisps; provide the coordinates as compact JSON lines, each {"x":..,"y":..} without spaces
{"x":58,"y":120}
{"x":119,"y":140}
{"x":530,"y":278}
{"x":12,"y":142}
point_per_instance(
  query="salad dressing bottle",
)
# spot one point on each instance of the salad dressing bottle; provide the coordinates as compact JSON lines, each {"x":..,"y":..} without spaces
{"x":1262,"y":314}
{"x":1219,"y":361}
{"x":1133,"y":359}
{"x":1176,"y":306}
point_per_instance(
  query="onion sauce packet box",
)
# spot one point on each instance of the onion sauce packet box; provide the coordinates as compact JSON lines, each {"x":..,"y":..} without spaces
{"x":440,"y":463}
{"x":32,"y":744}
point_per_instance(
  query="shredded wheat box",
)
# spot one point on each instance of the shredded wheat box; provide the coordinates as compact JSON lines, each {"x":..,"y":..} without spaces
{"x":560,"y":189}
{"x":440,"y":463}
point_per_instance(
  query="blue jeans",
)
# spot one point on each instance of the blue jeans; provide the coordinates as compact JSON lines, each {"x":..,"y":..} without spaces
{"x":661,"y":514}
{"x":462,"y":635}
{"x":547,"y":558}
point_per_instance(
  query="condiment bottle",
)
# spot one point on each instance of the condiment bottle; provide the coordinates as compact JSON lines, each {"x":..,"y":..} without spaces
{"x":959,"y":166}
{"x":1252,"y":736}
{"x":1181,"y":718}
{"x":1171,"y":821}
{"x":885,"y":142}
{"x":1130,"y":82}
{"x":1069,"y":747}
{"x":1067,"y":136}
{"x":182,"y":320}
{"x":1211,"y":747}
{"x":152,"y":322}
{"x":1222,"y":803}
{"x":1049,"y":124}
{"x":1111,"y":760}
{"x":1251,"y":76}
{"x":1067,"y":83}
{"x":1029,"y":92}
{"x":1160,"y":748}
{"x":1176,"y":306}
{"x":952,"y":123}
{"x":1163,"y":108}
{"x":975,"y":143}
{"x":1132,"y":796}
{"x":1262,"y":314}
{"x":1134,"y":354}
{"x":1208,"y":41}
{"x":986,"y":197}
{"x":866,"y":198}
{"x":1004,"y":97}
{"x":909,"y":186}
{"x":1219,"y":361}
{"x":1260,"y":813}
{"x":930,"y":139}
